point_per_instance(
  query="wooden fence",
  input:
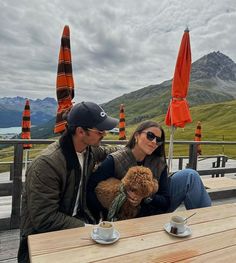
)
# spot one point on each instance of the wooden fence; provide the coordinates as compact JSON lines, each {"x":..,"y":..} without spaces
{"x":14,"y":188}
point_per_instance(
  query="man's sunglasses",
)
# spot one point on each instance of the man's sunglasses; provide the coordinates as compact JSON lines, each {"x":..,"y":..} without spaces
{"x":151,"y":136}
{"x":97,"y":131}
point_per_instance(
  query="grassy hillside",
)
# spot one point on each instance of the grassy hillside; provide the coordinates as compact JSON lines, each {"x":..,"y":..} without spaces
{"x":218,"y":123}
{"x":153,"y":100}
{"x":139,"y":105}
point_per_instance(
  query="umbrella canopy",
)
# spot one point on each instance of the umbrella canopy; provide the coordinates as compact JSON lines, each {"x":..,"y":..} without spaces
{"x":26,"y":125}
{"x":65,"y":82}
{"x":178,"y":113}
{"x":122,"y":135}
{"x":198,"y":137}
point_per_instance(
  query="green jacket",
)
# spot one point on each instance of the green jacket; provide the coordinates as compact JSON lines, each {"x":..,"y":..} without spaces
{"x":51,"y":187}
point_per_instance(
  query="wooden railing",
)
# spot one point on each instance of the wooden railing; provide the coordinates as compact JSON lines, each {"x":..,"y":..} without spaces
{"x":14,"y":188}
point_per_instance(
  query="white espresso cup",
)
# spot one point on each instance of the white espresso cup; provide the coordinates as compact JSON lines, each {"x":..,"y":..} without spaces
{"x":105,"y":230}
{"x":177,"y":224}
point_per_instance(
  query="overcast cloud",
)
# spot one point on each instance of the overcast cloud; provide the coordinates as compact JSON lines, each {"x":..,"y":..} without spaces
{"x":117,"y":46}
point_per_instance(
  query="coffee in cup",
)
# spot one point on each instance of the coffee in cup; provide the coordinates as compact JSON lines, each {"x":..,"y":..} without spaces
{"x":177,"y":224}
{"x":105,"y":230}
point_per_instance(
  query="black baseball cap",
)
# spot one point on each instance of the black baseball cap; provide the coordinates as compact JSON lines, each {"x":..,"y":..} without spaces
{"x":90,"y":115}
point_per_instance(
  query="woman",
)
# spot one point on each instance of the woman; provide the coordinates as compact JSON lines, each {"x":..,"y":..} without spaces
{"x":147,"y":147}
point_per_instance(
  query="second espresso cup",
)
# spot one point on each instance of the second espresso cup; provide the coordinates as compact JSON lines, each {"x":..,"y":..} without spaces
{"x":178,"y":224}
{"x":105,"y":230}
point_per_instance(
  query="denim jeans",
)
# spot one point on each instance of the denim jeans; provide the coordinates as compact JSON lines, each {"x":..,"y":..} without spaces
{"x":186,"y":186}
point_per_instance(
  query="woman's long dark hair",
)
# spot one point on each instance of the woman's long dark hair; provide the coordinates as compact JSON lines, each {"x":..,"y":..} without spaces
{"x":160,"y":151}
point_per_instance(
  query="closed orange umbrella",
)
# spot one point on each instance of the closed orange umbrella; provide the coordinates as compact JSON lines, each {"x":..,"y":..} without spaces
{"x":122,"y":135}
{"x":198,"y":137}
{"x":26,"y":125}
{"x":65,"y":82}
{"x":178,"y":113}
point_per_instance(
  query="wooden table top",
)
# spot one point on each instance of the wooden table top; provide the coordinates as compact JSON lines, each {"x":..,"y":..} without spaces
{"x":213,"y":239}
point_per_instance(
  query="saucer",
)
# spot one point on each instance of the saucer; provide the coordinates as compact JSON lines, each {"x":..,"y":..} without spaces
{"x":98,"y":239}
{"x":186,"y":233}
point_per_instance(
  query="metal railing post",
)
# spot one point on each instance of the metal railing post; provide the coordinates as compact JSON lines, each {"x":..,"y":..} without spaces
{"x":180,"y":163}
{"x":192,"y":156}
{"x":16,"y":186}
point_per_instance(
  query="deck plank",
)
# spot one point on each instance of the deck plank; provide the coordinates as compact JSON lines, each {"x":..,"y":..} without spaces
{"x":9,"y":243}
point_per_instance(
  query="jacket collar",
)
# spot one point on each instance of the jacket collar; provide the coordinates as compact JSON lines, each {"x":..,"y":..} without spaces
{"x":68,"y":150}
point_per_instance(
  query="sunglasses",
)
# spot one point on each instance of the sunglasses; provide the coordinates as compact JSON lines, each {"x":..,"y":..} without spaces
{"x":151,"y":136}
{"x":96,"y":131}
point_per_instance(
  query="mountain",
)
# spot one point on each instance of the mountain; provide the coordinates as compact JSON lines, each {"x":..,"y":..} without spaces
{"x":213,"y":80}
{"x":44,"y":131}
{"x":11,"y":110}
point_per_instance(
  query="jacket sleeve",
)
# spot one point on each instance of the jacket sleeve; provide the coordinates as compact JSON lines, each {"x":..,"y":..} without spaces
{"x":104,"y":171}
{"x":161,"y":200}
{"x":44,"y":191}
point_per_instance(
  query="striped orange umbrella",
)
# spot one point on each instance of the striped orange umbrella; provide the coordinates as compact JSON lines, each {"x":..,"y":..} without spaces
{"x":26,"y":125}
{"x":65,"y":82}
{"x":122,"y":123}
{"x":198,"y":137}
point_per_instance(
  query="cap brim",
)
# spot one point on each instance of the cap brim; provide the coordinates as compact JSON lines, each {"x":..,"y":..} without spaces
{"x":108,"y":124}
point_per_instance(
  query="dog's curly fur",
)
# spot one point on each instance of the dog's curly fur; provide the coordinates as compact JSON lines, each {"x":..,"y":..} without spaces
{"x":138,"y":179}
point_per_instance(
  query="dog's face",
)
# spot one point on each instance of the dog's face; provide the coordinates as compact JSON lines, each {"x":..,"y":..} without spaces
{"x":140,"y":180}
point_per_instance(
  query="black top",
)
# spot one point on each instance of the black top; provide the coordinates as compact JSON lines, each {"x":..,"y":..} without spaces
{"x":160,"y":201}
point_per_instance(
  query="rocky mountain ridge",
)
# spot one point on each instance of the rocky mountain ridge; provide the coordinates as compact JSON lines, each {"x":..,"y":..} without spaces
{"x":213,"y":80}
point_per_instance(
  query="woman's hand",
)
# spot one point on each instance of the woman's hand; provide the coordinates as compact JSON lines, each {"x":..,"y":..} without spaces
{"x":133,"y":198}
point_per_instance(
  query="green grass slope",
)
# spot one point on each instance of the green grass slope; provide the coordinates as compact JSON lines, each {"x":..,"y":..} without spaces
{"x":153,"y":100}
{"x":218,"y":123}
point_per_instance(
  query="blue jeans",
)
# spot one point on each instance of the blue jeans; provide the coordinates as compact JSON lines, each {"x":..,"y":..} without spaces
{"x":186,"y":186}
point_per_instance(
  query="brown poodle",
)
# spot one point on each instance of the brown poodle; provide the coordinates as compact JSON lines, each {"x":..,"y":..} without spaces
{"x":111,"y":193}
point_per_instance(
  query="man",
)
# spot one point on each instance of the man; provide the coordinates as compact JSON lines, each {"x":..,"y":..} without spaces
{"x":54,"y":197}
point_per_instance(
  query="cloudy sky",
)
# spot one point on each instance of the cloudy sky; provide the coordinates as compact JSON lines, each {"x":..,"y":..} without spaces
{"x":117,"y":46}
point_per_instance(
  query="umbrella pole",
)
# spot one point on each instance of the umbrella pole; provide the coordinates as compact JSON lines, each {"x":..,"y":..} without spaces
{"x":26,"y":159}
{"x":171,"y":149}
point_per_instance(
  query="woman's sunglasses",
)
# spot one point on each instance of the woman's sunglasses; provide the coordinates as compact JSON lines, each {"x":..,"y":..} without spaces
{"x":151,"y":136}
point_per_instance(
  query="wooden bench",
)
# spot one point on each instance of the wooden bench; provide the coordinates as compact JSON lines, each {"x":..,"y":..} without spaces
{"x":219,"y":182}
{"x":220,"y":160}
{"x":220,"y":187}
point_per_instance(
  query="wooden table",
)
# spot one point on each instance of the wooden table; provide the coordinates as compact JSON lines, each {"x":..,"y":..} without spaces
{"x":144,"y":240}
